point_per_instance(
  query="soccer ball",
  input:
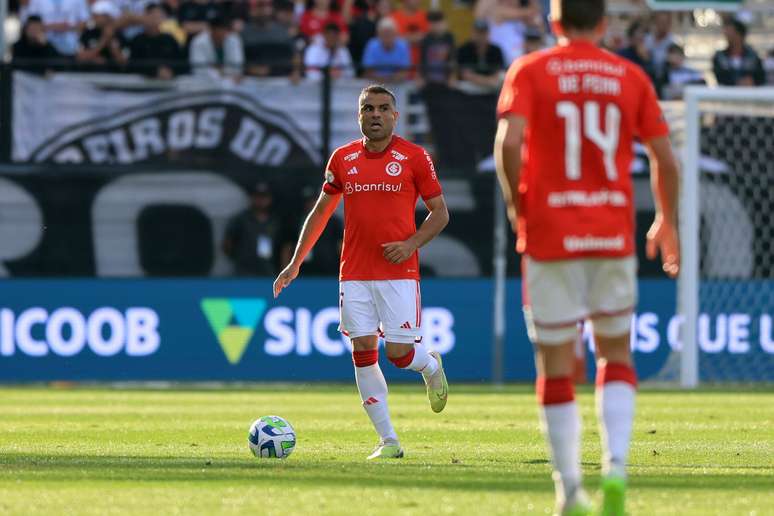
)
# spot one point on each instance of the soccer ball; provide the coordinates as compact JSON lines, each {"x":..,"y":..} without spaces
{"x":271,"y":436}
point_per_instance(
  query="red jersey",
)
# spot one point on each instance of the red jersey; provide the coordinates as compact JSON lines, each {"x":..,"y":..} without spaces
{"x":310,"y":24}
{"x":584,"y":107}
{"x":409,"y":24}
{"x":380,"y":197}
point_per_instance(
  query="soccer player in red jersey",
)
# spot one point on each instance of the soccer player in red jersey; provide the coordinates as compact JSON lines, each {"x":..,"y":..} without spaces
{"x":380,"y":177}
{"x":568,"y":118}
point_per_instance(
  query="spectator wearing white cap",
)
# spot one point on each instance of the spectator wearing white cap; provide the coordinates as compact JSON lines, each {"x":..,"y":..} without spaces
{"x":102,"y":46}
{"x":63,"y":21}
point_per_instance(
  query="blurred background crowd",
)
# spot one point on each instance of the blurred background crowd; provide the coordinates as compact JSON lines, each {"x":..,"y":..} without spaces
{"x":466,"y":44}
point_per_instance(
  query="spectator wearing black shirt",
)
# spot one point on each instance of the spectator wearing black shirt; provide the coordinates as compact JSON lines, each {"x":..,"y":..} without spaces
{"x":480,"y":62}
{"x":33,"y":52}
{"x":268,"y":44}
{"x":436,"y":52}
{"x":638,"y":52}
{"x":152,"y":52}
{"x":737,"y":64}
{"x":102,"y":46}
{"x":323,"y":259}
{"x":533,"y":40}
{"x":363,"y":28}
{"x":194,"y":16}
{"x":252,"y":239}
{"x":677,"y":75}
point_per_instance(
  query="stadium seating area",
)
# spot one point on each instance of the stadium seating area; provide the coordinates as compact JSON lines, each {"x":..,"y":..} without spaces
{"x":387,"y":40}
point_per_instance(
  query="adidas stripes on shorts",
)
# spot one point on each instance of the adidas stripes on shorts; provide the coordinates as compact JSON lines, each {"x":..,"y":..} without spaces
{"x":389,"y":307}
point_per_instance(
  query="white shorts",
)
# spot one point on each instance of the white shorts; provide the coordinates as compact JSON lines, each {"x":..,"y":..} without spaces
{"x":392,"y":308}
{"x":560,"y":294}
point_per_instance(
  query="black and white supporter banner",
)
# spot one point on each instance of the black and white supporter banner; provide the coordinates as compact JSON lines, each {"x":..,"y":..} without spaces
{"x":96,"y":119}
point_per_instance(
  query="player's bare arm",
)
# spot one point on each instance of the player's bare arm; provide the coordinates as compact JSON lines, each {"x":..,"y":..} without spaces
{"x":662,"y":235}
{"x":507,"y":154}
{"x":313,"y":227}
{"x":437,"y":219}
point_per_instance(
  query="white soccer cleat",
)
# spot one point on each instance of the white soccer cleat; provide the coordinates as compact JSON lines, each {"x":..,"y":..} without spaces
{"x":579,"y":504}
{"x":387,"y":450}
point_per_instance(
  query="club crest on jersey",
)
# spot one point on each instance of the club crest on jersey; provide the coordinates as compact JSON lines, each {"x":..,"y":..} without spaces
{"x":397,"y":155}
{"x":393,"y":168}
{"x":329,"y":177}
{"x":352,"y":157}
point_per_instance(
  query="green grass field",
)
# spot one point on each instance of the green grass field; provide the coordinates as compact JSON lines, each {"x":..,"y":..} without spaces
{"x":110,"y":451}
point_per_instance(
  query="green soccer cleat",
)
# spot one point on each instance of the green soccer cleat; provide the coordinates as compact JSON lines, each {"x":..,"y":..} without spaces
{"x":437,"y":386}
{"x":613,"y":495}
{"x":387,"y":450}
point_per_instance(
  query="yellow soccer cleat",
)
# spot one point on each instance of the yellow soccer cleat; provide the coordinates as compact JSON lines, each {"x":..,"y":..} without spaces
{"x":437,"y":386}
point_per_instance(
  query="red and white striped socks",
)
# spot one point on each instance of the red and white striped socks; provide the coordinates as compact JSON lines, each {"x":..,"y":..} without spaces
{"x":561,"y":426}
{"x":419,"y":360}
{"x":373,"y":392}
{"x":616,"y":387}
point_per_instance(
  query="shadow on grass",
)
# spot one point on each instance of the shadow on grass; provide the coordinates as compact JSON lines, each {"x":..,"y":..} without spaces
{"x":290,"y":473}
{"x":396,"y":474}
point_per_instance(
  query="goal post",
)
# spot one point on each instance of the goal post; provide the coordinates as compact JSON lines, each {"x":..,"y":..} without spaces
{"x":725,"y":291}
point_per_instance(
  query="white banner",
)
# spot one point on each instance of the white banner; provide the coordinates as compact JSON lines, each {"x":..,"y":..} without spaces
{"x":191,"y":121}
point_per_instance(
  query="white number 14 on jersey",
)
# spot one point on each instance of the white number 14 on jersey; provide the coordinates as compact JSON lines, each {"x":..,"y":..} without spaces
{"x":606,"y":141}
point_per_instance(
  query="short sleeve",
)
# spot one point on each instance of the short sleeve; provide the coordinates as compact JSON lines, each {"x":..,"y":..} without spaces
{"x":425,"y":178}
{"x":332,"y":183}
{"x":516,"y":95}
{"x":650,"y":120}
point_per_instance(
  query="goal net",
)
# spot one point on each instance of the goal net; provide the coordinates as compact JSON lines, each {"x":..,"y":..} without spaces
{"x":726,"y":287}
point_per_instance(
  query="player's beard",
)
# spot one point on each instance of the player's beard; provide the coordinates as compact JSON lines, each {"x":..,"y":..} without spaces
{"x":377,"y":134}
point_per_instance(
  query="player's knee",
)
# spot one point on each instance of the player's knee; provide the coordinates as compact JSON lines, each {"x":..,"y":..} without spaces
{"x":400,"y":354}
{"x":555,"y":359}
{"x":614,"y":328}
{"x":364,"y":342}
{"x":612,"y":337}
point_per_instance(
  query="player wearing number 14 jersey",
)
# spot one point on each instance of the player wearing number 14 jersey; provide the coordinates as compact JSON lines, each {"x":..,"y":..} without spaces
{"x":568,"y":118}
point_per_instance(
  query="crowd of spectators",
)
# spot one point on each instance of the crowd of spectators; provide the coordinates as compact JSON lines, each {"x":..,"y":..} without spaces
{"x":653,"y":46}
{"x":386,"y":40}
